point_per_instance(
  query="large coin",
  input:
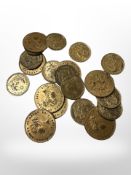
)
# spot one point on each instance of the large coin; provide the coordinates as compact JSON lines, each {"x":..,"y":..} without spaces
{"x":79,"y":52}
{"x":40,"y":125}
{"x":80,"y":109}
{"x":17,"y":84}
{"x":56,"y":41}
{"x":112,"y":63}
{"x":98,"y":127}
{"x":99,"y":83}
{"x":49,"y":96}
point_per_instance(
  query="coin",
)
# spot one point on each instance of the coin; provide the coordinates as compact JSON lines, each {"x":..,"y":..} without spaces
{"x":56,"y":41}
{"x":73,"y":88}
{"x":40,"y":125}
{"x":49,"y":69}
{"x":80,"y":109}
{"x":49,"y":96}
{"x":35,"y":42}
{"x":99,"y":83}
{"x":80,"y":52}
{"x":98,"y":127}
{"x":17,"y":84}
{"x":112,"y":63}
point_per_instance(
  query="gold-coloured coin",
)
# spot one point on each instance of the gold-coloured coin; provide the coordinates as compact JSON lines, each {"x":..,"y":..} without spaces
{"x":80,"y":52}
{"x":40,"y":125}
{"x":49,"y":96}
{"x":17,"y":84}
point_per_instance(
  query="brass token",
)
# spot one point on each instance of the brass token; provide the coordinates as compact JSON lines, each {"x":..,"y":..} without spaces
{"x":80,"y":109}
{"x":17,"y":84}
{"x":112,"y":63}
{"x":49,"y":69}
{"x":40,"y":125}
{"x":49,"y":96}
{"x":99,"y":83}
{"x":79,"y":52}
{"x":56,"y":41}
{"x":98,"y":127}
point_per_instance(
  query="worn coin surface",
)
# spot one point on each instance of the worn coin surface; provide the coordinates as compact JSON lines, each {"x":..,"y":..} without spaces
{"x":40,"y":125}
{"x":98,"y":127}
{"x":17,"y":84}
{"x":80,"y":110}
{"x":79,"y":52}
{"x":56,"y":41}
{"x":112,"y":63}
{"x":49,"y":96}
{"x":99,"y":83}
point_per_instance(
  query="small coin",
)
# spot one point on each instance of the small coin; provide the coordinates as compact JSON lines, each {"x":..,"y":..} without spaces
{"x":80,"y":109}
{"x":35,"y":43}
{"x":112,"y":63}
{"x":17,"y":84}
{"x":99,"y":83}
{"x":50,"y":97}
{"x":110,"y":113}
{"x":49,"y":69}
{"x":56,"y":41}
{"x":80,"y":52}
{"x":111,"y":101}
{"x":98,"y":127}
{"x":40,"y":125}
{"x":73,"y":88}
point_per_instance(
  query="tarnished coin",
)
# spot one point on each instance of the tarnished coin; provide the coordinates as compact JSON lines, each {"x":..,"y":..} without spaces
{"x":49,"y":69}
{"x":110,"y":113}
{"x":79,"y":52}
{"x":49,"y":96}
{"x":112,"y":63}
{"x":56,"y":41}
{"x":98,"y":127}
{"x":17,"y":84}
{"x":99,"y":83}
{"x":73,"y":88}
{"x":111,"y":101}
{"x":40,"y":125}
{"x":35,"y":42}
{"x":80,"y":110}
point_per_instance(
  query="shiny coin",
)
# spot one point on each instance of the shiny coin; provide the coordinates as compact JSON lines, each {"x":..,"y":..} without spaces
{"x":40,"y":125}
{"x":99,"y":83}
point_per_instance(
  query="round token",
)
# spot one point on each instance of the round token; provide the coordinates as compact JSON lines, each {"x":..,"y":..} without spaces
{"x":49,"y":96}
{"x":112,"y":63}
{"x":56,"y":41}
{"x":98,"y":127}
{"x":99,"y":83}
{"x":40,"y":125}
{"x":80,"y":52}
{"x":17,"y":84}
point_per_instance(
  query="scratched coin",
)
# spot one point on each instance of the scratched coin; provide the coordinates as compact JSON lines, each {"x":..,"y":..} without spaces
{"x":98,"y":127}
{"x":40,"y":125}
{"x":80,"y":52}
{"x":99,"y":83}
{"x":17,"y":84}
{"x":49,"y":96}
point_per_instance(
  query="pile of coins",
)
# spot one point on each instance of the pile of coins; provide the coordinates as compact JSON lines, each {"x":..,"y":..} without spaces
{"x":65,"y":82}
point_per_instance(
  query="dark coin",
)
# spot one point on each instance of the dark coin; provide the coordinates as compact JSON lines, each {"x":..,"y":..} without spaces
{"x":98,"y":127}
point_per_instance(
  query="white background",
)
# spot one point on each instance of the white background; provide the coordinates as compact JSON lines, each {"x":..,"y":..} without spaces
{"x":105,"y":25}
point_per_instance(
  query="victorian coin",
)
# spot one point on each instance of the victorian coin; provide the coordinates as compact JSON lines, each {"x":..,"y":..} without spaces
{"x":49,"y":96}
{"x":80,"y":52}
{"x":40,"y":125}
{"x":56,"y":41}
{"x":98,"y":127}
{"x":17,"y":84}
{"x":99,"y":83}
{"x":112,"y":63}
{"x":80,"y":110}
